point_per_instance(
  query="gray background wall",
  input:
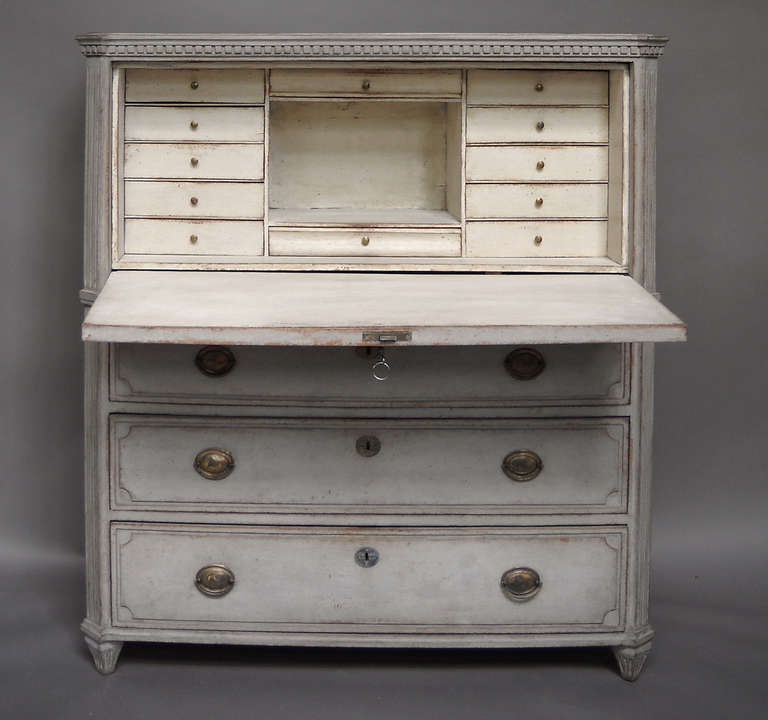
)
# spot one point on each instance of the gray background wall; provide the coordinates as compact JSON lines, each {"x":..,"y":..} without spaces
{"x":710,"y":590}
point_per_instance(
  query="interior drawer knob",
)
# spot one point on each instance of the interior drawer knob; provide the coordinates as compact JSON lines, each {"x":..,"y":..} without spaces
{"x":194,"y":162}
{"x":214,"y":580}
{"x":522,"y":465}
{"x":525,"y":363}
{"x":368,"y":445}
{"x":540,"y":125}
{"x":194,"y":84}
{"x":520,"y":584}
{"x":214,"y":360}
{"x":214,"y":463}
{"x":540,"y":165}
{"x":539,"y":86}
{"x":366,"y":84}
{"x":193,"y":125}
{"x":539,"y":201}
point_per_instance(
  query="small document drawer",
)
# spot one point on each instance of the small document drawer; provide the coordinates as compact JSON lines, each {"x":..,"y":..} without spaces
{"x":542,"y":238}
{"x":537,"y":87}
{"x":194,"y":124}
{"x":592,"y":374}
{"x":194,"y":86}
{"x":194,"y":199}
{"x":381,"y":466}
{"x":210,"y":161}
{"x":378,"y":243}
{"x":475,"y":580}
{"x":537,"y":164}
{"x":537,"y":125}
{"x":555,"y":200}
{"x":194,"y":237}
{"x":365,"y":83}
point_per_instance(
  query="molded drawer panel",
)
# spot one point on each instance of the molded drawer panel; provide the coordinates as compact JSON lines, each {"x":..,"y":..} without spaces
{"x":442,"y":376}
{"x":433,"y":466}
{"x":377,"y":243}
{"x":308,"y":579}
{"x":543,"y":200}
{"x":194,"y":124}
{"x":194,"y":237}
{"x":194,"y":86}
{"x":365,"y":83}
{"x":537,"y":125}
{"x":194,"y":199}
{"x":210,"y":161}
{"x":583,"y":238}
{"x":537,"y":87}
{"x":537,"y":164}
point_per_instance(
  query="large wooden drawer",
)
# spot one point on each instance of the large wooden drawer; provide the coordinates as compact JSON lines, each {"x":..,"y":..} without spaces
{"x":194,"y":124}
{"x":315,"y":580}
{"x":193,"y":85}
{"x":537,"y":87}
{"x":491,"y":376}
{"x":194,"y":161}
{"x":379,"y":466}
{"x":241,"y":200}
{"x":544,"y":163}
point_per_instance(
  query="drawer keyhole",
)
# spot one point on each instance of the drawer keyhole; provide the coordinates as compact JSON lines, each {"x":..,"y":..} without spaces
{"x":367,"y":557}
{"x":368,"y":445}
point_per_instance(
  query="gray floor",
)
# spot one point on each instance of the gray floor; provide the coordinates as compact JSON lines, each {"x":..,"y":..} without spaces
{"x":706,"y":663}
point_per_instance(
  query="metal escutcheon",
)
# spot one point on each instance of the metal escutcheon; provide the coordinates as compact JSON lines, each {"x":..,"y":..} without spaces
{"x":214,"y":463}
{"x":522,"y":465}
{"x":368,"y":445}
{"x":520,"y":584}
{"x":525,"y":363}
{"x":367,"y":557}
{"x":214,"y":360}
{"x":214,"y":580}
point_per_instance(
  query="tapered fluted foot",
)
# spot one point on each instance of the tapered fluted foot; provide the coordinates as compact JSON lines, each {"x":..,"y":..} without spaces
{"x":631,"y":660}
{"x":105,"y":654}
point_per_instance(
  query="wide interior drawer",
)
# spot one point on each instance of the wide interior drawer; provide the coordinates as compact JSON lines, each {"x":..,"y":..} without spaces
{"x":537,"y":87}
{"x":498,"y":466}
{"x":491,"y":376}
{"x":537,"y":164}
{"x":521,"y":580}
{"x":194,"y":161}
{"x":538,"y":124}
{"x":391,"y":242}
{"x":537,"y":238}
{"x":194,"y":124}
{"x":194,"y":86}
{"x":554,"y":200}
{"x":194,"y":237}
{"x":157,"y":198}
{"x":365,"y":83}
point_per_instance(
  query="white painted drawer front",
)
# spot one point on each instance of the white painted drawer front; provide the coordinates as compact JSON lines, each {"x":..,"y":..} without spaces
{"x":584,"y":238}
{"x":452,"y":376}
{"x":388,"y":243}
{"x":194,"y":199}
{"x":542,"y":200}
{"x":194,"y":237}
{"x":210,"y":161}
{"x":537,"y":164}
{"x":194,"y":124}
{"x":194,"y":86}
{"x":372,"y":466}
{"x":537,"y":87}
{"x":431,"y":580}
{"x":540,"y":124}
{"x":365,"y":83}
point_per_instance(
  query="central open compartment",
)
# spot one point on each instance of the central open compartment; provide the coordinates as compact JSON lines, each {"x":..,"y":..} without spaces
{"x":365,"y":163}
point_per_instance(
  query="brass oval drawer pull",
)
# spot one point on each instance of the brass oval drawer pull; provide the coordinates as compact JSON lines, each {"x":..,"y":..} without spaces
{"x":368,"y":445}
{"x":214,"y":463}
{"x":520,"y":584}
{"x":522,"y":465}
{"x":367,"y":557}
{"x":525,"y":363}
{"x":214,"y":580}
{"x":214,"y":360}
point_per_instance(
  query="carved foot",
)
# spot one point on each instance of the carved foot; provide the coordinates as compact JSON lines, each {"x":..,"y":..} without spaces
{"x":105,"y":654}
{"x":631,"y":660}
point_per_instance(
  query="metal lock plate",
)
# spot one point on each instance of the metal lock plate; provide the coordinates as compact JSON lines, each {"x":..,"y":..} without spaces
{"x":525,"y":363}
{"x":367,"y":557}
{"x":368,"y":445}
{"x":214,"y":360}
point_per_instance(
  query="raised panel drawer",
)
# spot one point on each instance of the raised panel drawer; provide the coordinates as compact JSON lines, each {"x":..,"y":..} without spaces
{"x":537,"y":164}
{"x":537,"y":125}
{"x":537,"y":87}
{"x":441,"y":376}
{"x":542,"y":238}
{"x":559,"y":200}
{"x":194,"y":199}
{"x":194,"y":124}
{"x":309,"y":579}
{"x":381,"y":466}
{"x":364,"y":242}
{"x":210,"y":161}
{"x":194,"y":237}
{"x":365,"y":83}
{"x":194,"y":86}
